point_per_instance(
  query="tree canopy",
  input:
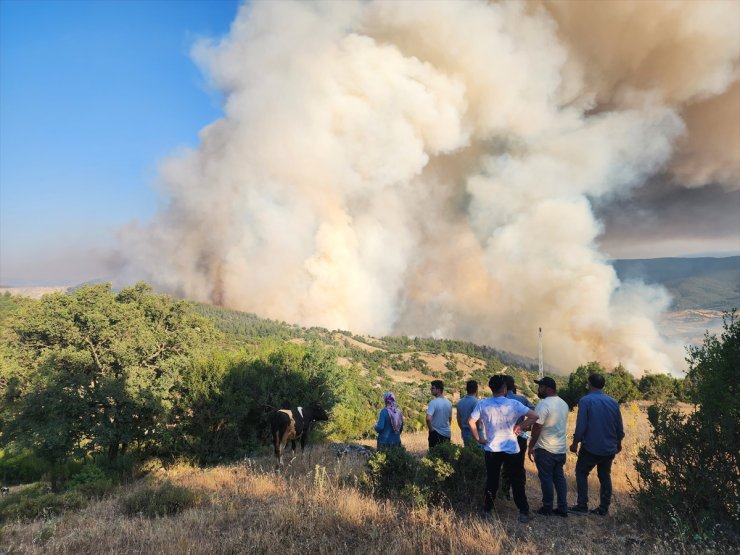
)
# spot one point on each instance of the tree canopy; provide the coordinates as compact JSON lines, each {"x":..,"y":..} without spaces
{"x":102,"y":369}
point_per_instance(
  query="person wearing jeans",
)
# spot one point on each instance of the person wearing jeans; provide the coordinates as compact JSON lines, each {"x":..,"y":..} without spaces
{"x":585,"y":464}
{"x":548,"y":446}
{"x":550,"y":471}
{"x":600,"y":432}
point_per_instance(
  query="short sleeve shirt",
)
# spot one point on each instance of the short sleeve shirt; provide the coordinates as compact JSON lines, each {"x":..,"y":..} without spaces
{"x":465,"y":406}
{"x":440,"y":409}
{"x":499,"y":415}
{"x":553,"y":416}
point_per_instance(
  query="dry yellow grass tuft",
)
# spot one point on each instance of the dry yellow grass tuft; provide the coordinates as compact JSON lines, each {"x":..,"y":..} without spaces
{"x":312,"y":507}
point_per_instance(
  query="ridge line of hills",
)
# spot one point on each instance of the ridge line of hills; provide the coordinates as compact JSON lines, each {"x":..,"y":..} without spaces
{"x":705,"y":283}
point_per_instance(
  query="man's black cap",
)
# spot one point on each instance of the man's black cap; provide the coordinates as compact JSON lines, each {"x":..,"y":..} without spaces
{"x":547,"y":381}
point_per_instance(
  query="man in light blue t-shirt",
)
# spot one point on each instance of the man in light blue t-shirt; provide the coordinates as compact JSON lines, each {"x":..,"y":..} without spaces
{"x":439,"y":415}
{"x":465,"y":407}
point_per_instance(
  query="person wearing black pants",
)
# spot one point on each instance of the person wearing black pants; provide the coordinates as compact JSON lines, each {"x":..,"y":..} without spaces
{"x":511,"y":393}
{"x":499,"y":416}
{"x":514,"y":471}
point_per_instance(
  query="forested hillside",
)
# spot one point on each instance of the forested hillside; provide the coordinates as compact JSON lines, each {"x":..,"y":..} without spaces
{"x":133,"y":374}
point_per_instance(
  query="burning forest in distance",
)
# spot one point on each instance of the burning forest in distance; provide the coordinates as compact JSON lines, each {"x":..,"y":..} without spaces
{"x":455,"y":187}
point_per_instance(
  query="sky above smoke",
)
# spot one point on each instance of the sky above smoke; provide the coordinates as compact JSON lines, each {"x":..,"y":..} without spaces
{"x":448,"y":168}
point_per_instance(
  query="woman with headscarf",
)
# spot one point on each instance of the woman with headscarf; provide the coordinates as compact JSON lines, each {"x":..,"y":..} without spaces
{"x":390,"y":423}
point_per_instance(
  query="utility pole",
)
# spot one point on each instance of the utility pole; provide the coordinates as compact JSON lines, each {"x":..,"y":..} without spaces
{"x":542,"y":362}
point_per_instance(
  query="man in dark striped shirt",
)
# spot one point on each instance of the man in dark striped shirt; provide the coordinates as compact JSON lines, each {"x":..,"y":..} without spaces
{"x":599,"y":430}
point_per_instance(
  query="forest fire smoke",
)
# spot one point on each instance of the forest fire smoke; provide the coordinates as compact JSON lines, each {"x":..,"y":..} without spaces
{"x":429,"y":168}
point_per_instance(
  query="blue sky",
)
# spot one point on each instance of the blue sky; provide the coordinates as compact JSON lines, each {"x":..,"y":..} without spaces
{"x":93,"y":94}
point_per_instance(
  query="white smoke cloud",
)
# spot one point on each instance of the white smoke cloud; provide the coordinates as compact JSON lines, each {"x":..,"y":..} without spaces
{"x":425,"y":168}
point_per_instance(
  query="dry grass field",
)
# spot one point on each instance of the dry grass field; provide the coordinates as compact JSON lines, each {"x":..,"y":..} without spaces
{"x":313,"y":506}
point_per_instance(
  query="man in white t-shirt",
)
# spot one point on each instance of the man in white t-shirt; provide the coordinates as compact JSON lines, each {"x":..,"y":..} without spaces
{"x":439,"y":415}
{"x":499,"y":416}
{"x":548,"y":445}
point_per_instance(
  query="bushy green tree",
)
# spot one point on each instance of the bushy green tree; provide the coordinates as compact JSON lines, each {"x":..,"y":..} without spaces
{"x":576,"y":387}
{"x":689,"y":477}
{"x":224,"y":398}
{"x":621,"y":385}
{"x":102,"y":369}
{"x":657,"y":387}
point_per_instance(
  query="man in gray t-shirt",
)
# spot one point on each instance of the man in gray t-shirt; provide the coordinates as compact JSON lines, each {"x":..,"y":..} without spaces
{"x":465,"y":407}
{"x":439,"y":415}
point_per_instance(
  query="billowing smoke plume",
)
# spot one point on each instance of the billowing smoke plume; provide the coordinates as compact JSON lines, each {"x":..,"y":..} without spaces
{"x":429,"y":168}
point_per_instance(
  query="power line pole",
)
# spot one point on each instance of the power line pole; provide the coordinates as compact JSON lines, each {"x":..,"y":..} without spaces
{"x":542,"y":362}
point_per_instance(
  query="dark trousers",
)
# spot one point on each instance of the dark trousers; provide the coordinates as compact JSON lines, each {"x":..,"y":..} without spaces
{"x":435,"y":438}
{"x":584,"y":466}
{"x":550,"y":472}
{"x":514,"y":470}
{"x":505,"y":480}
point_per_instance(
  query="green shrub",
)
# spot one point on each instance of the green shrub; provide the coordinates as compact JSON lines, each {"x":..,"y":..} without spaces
{"x":35,"y":502}
{"x":447,"y":474}
{"x":162,"y":500}
{"x":91,"y":481}
{"x":20,"y":467}
{"x":417,"y":496}
{"x":688,"y":477}
{"x":389,"y":470}
{"x":122,"y":469}
{"x":453,"y":473}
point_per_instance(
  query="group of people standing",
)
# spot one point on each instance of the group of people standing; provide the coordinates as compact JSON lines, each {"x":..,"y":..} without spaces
{"x":499,"y":424}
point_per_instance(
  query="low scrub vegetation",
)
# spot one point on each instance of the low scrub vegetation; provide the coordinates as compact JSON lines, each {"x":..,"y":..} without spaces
{"x":689,"y":475}
{"x":160,"y":500}
{"x":448,"y":475}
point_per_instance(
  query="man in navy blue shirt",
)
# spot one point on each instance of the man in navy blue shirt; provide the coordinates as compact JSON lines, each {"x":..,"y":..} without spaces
{"x":600,"y":432}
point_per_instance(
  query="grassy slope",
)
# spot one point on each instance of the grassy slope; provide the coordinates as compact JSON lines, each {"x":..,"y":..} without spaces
{"x":313,"y":507}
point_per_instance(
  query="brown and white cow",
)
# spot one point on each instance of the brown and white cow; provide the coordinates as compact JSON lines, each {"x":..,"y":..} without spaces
{"x":291,"y":425}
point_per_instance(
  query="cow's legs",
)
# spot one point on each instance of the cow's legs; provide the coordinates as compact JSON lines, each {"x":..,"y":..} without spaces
{"x":278,"y":448}
{"x":304,"y":436}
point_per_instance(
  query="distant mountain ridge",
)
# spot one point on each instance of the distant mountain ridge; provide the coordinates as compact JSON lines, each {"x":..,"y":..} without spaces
{"x":706,"y":283}
{"x":694,"y":283}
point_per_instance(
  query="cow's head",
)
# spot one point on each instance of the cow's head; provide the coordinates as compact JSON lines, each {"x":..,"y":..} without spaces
{"x":319,"y":413}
